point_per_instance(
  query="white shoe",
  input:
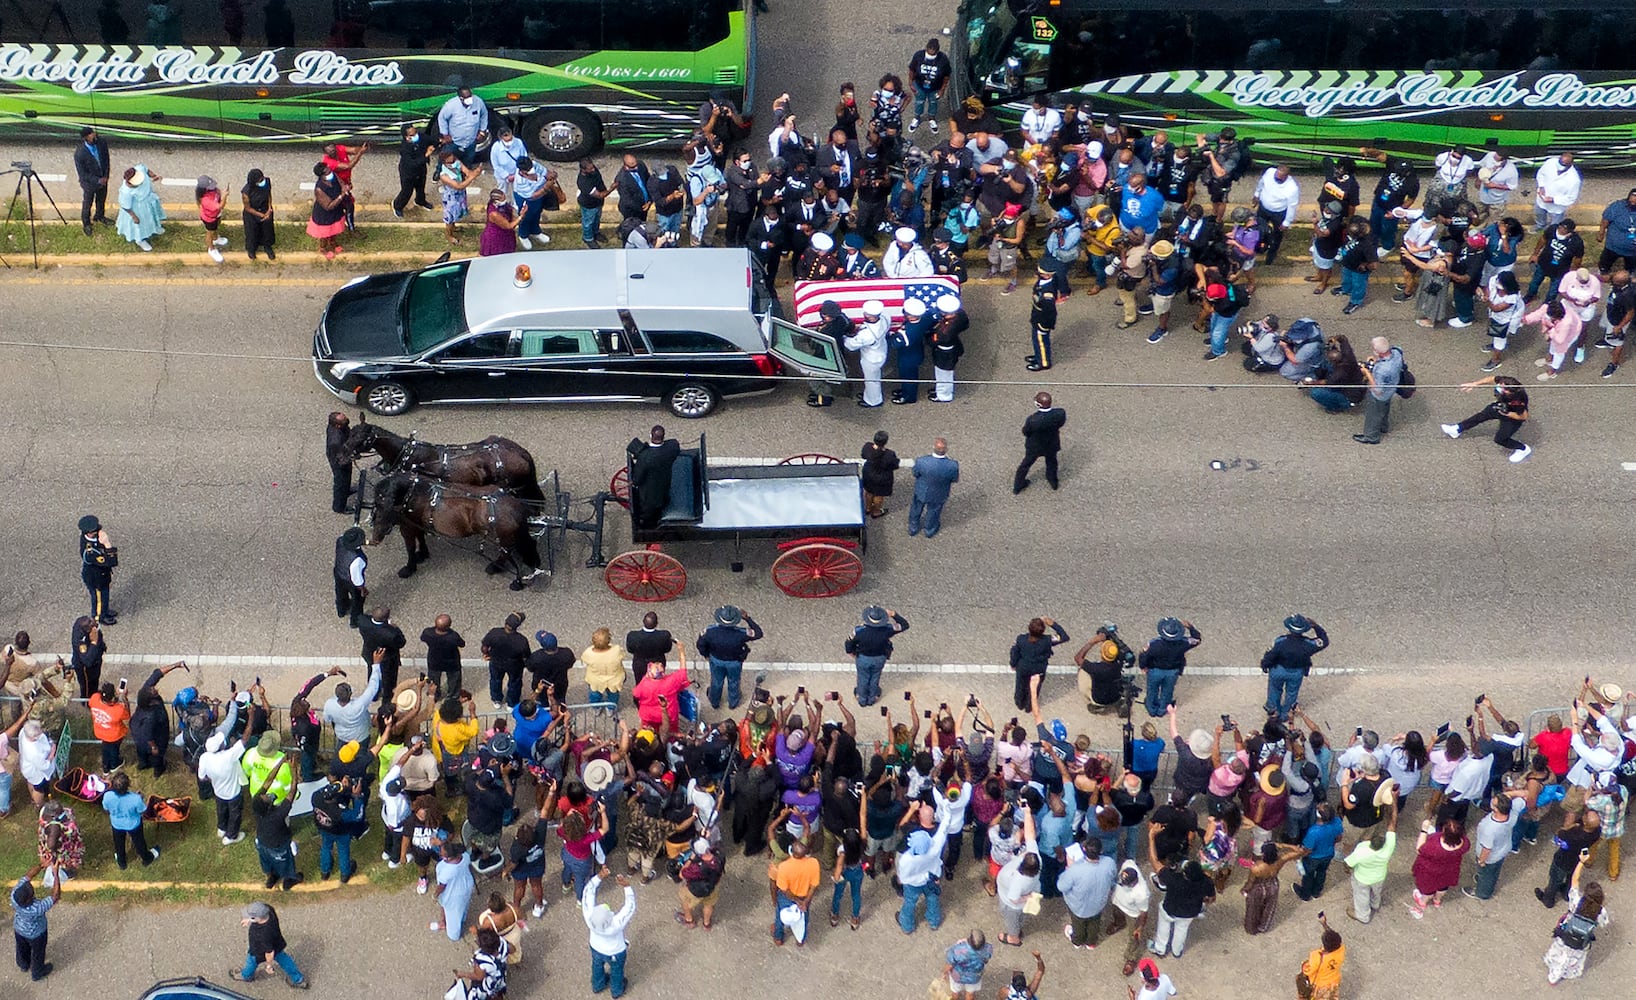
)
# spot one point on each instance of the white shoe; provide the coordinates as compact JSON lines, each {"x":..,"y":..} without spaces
{"x":500,"y":708}
{"x":1579,"y":356}
{"x":230,"y":841}
{"x":215,"y":255}
{"x":914,"y":123}
{"x":1457,"y":322}
{"x":538,"y":911}
{"x":527,"y":244}
{"x":160,"y":231}
{"x":145,"y":245}
{"x":1541,"y":362}
{"x":1382,"y":253}
{"x":1452,"y":430}
{"x":544,"y":239}
{"x":392,"y":865}
{"x":221,"y":241}
{"x":385,"y":856}
{"x":1518,"y":456}
{"x":932,"y":125}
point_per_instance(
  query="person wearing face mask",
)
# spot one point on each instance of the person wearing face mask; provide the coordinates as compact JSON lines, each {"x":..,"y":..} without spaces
{"x":413,"y":154}
{"x":743,"y":185}
{"x":930,"y":71}
{"x":839,"y":163}
{"x":1509,"y":407}
{"x":329,"y":217}
{"x":463,"y":121}
{"x":257,"y":195}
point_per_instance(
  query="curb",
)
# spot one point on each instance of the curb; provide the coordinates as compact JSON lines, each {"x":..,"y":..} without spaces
{"x":85,"y":885}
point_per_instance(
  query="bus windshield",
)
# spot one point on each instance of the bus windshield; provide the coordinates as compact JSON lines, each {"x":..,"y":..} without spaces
{"x":1311,"y":77}
{"x":615,"y":72}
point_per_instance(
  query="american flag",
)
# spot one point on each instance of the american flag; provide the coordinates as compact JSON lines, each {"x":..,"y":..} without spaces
{"x":851,"y":295}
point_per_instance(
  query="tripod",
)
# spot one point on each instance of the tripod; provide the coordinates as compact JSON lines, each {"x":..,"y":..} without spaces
{"x":26,"y":177}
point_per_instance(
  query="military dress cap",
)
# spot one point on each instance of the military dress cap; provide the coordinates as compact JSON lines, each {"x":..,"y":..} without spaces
{"x":914,"y":307}
{"x":852,"y":241}
{"x":822,"y":242}
{"x":904,"y":235}
{"x":948,"y":302}
{"x":89,"y":523}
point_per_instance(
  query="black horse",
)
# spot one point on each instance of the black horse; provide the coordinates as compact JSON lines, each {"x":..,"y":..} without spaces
{"x":418,"y":506}
{"x":493,"y":461}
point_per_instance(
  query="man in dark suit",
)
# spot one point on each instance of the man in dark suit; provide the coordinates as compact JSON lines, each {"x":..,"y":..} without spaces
{"x":336,"y":432}
{"x":1042,"y":438}
{"x":648,"y":645}
{"x":650,"y":475}
{"x":379,"y":632}
{"x":632,"y":184}
{"x":934,"y":475}
{"x":839,"y":163}
{"x":91,"y":165}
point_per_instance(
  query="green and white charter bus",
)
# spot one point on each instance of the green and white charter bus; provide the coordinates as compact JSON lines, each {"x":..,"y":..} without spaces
{"x":1309,"y":78}
{"x":571,"y":75}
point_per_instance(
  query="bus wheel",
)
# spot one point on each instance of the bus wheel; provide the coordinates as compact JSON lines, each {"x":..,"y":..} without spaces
{"x":562,"y":133}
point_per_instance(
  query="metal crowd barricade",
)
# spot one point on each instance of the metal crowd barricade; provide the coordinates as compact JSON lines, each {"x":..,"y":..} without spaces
{"x":596,"y":719}
{"x":1536,"y":720}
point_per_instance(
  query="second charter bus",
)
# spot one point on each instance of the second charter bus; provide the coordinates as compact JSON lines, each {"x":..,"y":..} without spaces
{"x":1308,"y":78}
{"x":571,"y":75}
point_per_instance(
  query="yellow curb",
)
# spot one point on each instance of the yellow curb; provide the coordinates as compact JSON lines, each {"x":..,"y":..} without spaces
{"x":83,"y":885}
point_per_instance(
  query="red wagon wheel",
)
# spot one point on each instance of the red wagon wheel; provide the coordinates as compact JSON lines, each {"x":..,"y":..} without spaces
{"x":646,"y":575}
{"x":620,"y":487}
{"x":811,"y":458}
{"x":817,"y":569}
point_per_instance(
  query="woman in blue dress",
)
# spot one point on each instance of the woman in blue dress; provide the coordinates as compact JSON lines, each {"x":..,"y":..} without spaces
{"x":140,"y":213}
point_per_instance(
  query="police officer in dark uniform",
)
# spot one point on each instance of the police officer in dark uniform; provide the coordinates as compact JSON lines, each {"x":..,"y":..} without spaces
{"x":98,"y":558}
{"x":351,"y":567}
{"x":1042,"y":318}
{"x":945,"y":259}
{"x":340,"y":467}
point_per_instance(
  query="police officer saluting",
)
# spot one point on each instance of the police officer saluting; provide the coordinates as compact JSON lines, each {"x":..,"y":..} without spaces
{"x":351,"y":565}
{"x":98,"y":557}
{"x":1042,"y":319}
{"x":336,"y":433}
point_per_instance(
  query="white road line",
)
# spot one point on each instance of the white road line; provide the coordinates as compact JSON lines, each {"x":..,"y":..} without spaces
{"x":178,"y":182}
{"x":1628,"y":466}
{"x":51,"y":178}
{"x":752,"y":667}
{"x":907,"y":463}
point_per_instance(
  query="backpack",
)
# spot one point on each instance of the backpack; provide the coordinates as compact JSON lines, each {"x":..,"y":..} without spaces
{"x":1246,"y":160}
{"x":1405,"y":383}
{"x":1236,"y":295}
{"x":198,"y":721}
{"x":1576,"y":931}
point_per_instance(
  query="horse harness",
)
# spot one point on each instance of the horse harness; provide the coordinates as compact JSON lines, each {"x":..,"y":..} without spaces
{"x":441,"y":455}
{"x":437,"y":489}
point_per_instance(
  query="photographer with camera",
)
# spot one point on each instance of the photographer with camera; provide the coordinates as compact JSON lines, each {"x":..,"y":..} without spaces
{"x":1101,"y":678}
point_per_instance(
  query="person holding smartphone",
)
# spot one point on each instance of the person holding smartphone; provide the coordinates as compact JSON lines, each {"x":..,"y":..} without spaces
{"x":111,"y":720}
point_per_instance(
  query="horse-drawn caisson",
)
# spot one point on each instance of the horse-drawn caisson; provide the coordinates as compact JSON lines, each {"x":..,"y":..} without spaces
{"x":490,"y":490}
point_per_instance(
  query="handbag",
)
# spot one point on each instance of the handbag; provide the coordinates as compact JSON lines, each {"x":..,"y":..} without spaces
{"x":1303,"y":985}
{"x":458,"y":991}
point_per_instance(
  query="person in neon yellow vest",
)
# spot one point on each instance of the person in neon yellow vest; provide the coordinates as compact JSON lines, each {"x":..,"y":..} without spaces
{"x":261,"y":761}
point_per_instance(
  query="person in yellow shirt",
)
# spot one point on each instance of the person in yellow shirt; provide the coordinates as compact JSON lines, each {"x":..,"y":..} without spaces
{"x":794,"y":879}
{"x":454,"y":739}
{"x":1322,"y":968}
{"x":604,"y":668}
{"x":262,"y":761}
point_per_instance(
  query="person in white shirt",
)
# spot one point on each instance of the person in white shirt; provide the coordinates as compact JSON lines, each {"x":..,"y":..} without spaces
{"x":504,"y":153}
{"x":1448,"y":184}
{"x":395,"y":812}
{"x":1556,"y":190}
{"x":1155,"y":984}
{"x":1496,"y":179}
{"x":1041,"y":122}
{"x":1363,"y":745}
{"x":1593,"y":759}
{"x":905,"y":258}
{"x":951,"y":812}
{"x":870,"y":343}
{"x":921,"y":861}
{"x":220,"y":766}
{"x":1018,"y":880}
{"x":607,"y":927}
{"x":1277,"y":199}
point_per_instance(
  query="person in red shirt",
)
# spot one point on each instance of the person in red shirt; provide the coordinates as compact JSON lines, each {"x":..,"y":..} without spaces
{"x":658,"y":693}
{"x":1553,"y":742}
{"x":342,"y":159}
{"x":111,"y":721}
